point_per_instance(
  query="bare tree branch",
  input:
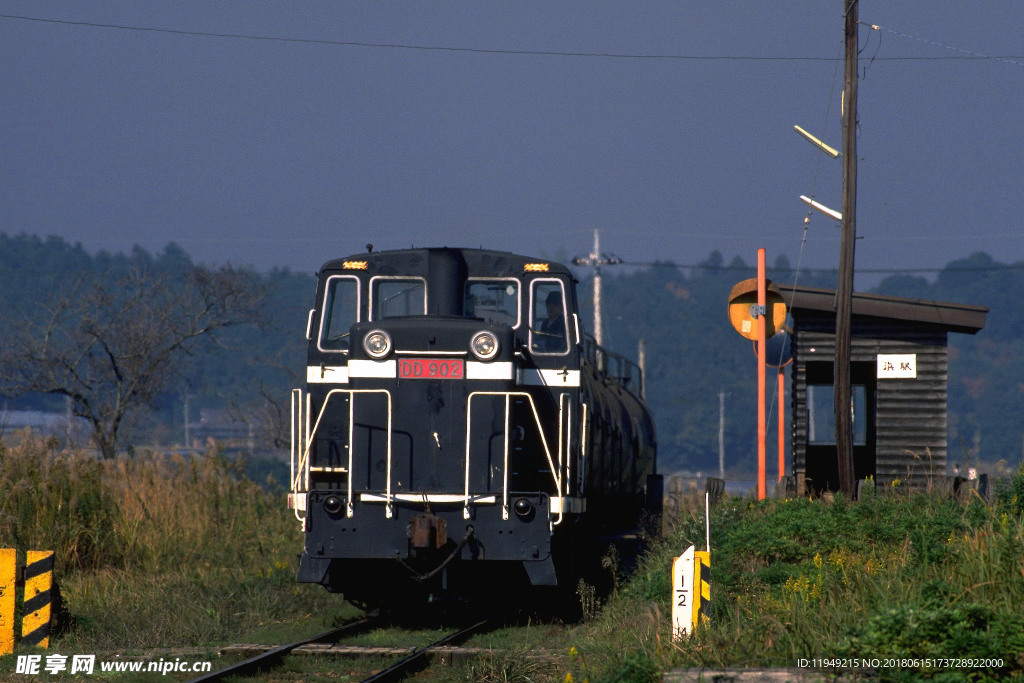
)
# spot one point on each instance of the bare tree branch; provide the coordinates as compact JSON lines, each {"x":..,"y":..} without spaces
{"x":113,"y":348}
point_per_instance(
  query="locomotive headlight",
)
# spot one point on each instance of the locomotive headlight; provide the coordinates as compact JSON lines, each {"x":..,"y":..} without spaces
{"x":333,"y":504}
{"x":377,"y":344}
{"x":484,"y":345}
{"x":523,"y":509}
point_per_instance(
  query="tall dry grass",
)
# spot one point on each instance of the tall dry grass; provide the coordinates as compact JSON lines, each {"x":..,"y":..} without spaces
{"x":156,"y":550}
{"x":57,"y":500}
{"x":148,"y":511}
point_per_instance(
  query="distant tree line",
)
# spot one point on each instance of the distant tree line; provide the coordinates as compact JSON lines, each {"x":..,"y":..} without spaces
{"x":121,"y":340}
{"x":693,"y":355}
{"x":128,"y":338}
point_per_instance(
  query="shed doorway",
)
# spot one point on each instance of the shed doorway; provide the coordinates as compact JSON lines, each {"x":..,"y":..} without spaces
{"x":822,"y":465}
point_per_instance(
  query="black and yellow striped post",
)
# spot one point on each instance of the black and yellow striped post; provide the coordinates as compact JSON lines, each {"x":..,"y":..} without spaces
{"x":701,"y":587}
{"x":8,"y":577}
{"x":35,"y":620}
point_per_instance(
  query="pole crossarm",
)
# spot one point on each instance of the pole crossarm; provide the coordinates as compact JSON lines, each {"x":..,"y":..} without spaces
{"x":597,"y":259}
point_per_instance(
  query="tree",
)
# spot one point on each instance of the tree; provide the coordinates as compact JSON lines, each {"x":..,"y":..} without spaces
{"x":112,"y":345}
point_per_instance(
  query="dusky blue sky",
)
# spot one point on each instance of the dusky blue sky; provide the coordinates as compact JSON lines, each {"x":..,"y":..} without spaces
{"x":296,"y":144}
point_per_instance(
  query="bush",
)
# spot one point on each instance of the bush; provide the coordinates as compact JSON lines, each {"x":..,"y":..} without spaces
{"x":1009,"y":494}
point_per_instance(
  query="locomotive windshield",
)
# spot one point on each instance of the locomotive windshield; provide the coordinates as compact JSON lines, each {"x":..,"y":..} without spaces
{"x":548,"y":331}
{"x":397,"y":297}
{"x":496,"y":301}
{"x":341,"y":309}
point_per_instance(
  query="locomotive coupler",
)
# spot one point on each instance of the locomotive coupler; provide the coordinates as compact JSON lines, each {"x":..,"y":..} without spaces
{"x":428,"y":531}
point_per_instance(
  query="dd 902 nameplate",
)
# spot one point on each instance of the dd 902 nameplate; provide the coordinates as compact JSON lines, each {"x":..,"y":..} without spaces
{"x":431,"y":368}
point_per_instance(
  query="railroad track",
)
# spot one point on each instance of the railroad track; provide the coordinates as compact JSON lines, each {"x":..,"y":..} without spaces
{"x":416,"y":659}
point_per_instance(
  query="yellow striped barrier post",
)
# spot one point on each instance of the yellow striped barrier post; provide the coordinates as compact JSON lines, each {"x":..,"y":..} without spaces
{"x":37,"y":597}
{"x":701,"y":587}
{"x":8,"y":576}
{"x":35,"y":621}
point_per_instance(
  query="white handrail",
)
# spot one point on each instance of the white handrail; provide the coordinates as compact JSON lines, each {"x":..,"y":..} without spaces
{"x":309,"y":440}
{"x":300,"y":470}
{"x":301,"y":443}
{"x":556,"y":474}
{"x":580,"y":486}
{"x":504,"y":467}
{"x":566,"y":424}
{"x":294,"y":449}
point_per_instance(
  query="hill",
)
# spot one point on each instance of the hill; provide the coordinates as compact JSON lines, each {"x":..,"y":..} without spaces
{"x":693,"y":355}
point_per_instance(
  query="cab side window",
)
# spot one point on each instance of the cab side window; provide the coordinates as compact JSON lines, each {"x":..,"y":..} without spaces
{"x":549,"y":331}
{"x":340,"y":311}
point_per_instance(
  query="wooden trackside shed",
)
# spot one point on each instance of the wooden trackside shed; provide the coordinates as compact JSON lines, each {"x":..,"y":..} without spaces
{"x":898,"y":372}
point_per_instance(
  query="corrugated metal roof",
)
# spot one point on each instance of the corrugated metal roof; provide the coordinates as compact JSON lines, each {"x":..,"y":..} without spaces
{"x":949,"y":316}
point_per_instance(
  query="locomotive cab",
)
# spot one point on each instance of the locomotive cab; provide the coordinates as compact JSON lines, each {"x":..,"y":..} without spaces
{"x":441,"y":436}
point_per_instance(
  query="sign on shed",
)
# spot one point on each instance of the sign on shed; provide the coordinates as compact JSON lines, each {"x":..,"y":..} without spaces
{"x":897,"y":366}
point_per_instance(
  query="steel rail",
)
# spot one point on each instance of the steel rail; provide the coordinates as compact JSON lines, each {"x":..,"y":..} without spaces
{"x":271,"y":657}
{"x":419,"y":657}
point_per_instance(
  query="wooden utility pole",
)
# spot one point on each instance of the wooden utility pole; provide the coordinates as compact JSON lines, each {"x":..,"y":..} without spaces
{"x":848,"y":230}
{"x":721,"y":435}
{"x":641,"y":361}
{"x":597,"y":259}
{"x":781,"y":385}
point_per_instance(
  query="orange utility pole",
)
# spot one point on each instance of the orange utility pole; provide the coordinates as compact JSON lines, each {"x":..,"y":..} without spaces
{"x":762,"y":308}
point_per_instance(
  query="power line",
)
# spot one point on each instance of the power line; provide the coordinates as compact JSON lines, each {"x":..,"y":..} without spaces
{"x":935,"y":43}
{"x":491,"y":51}
{"x":873,"y":271}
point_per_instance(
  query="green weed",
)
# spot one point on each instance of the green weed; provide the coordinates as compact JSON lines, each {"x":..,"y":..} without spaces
{"x":902,"y":573}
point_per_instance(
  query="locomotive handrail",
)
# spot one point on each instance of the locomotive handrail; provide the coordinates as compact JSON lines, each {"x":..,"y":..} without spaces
{"x":556,"y":474}
{"x":582,"y":485}
{"x":564,"y":428}
{"x":293,"y":450}
{"x":614,"y":366}
{"x":300,"y":473}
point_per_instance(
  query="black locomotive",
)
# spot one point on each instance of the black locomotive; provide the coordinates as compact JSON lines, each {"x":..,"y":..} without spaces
{"x":458,"y":431}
